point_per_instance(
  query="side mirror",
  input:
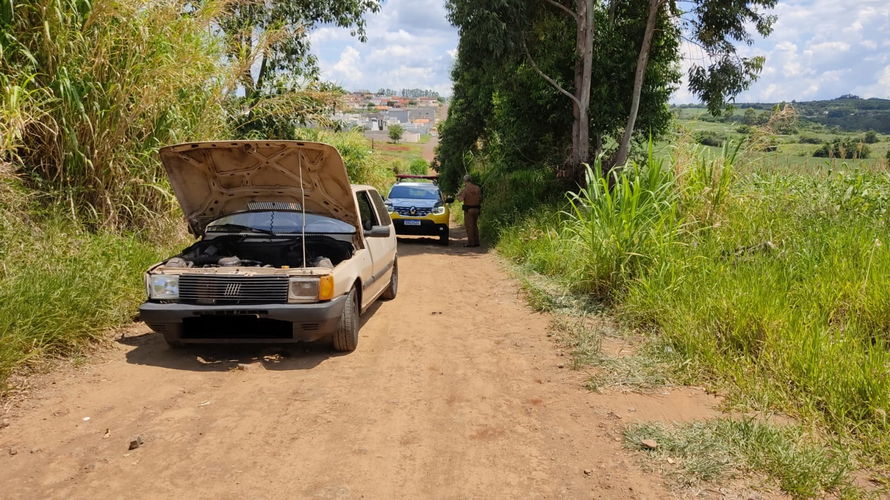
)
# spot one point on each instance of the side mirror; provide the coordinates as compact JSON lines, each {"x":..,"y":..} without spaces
{"x":379,"y":232}
{"x":450,"y":199}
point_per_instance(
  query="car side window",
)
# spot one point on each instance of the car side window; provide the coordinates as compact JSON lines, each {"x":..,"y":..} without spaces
{"x":381,"y":208}
{"x":369,"y":218}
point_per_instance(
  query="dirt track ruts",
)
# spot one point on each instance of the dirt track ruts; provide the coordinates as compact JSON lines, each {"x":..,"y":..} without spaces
{"x":455,"y":391}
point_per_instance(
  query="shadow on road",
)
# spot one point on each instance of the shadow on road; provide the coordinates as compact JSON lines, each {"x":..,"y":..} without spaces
{"x":150,"y":349}
{"x":416,"y":245}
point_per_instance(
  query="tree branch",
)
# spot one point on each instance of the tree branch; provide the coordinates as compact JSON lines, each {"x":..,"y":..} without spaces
{"x":551,"y":81}
{"x":563,"y":8}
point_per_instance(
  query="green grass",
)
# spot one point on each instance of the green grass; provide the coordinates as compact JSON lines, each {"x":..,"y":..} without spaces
{"x":773,"y":285}
{"x":721,"y":449}
{"x":61,"y":287}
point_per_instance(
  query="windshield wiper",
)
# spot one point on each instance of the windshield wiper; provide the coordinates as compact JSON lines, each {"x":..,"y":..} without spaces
{"x":239,"y":227}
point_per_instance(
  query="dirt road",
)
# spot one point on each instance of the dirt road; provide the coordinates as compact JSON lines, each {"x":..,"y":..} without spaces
{"x":455,"y":391}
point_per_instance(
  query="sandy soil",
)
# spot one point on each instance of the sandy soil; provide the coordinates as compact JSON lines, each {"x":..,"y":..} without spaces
{"x":455,"y":391}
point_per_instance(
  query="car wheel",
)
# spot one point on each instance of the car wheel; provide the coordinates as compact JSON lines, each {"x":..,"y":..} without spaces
{"x":346,"y":337}
{"x":393,"y":288}
{"x":443,"y":238}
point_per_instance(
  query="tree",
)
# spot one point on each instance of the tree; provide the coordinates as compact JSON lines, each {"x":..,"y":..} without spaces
{"x":395,"y":132}
{"x":871,"y":137}
{"x":276,"y":35}
{"x":613,"y":38}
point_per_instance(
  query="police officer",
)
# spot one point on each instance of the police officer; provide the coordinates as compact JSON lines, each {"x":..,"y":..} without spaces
{"x":471,"y":196}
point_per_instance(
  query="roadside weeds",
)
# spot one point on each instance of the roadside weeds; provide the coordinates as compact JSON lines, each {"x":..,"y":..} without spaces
{"x":739,"y":446}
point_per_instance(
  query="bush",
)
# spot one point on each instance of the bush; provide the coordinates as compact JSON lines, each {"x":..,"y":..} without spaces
{"x":419,"y":166}
{"x":871,"y":137}
{"x":808,"y":139}
{"x":843,"y":148}
{"x":709,"y":138}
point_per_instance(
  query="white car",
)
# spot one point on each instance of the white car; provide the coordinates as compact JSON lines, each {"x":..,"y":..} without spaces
{"x":288,"y":250}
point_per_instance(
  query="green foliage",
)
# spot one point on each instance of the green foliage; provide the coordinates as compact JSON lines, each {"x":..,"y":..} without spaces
{"x":808,"y":139}
{"x":870,"y":137}
{"x":363,"y":165}
{"x":843,"y":147}
{"x":278,"y":33}
{"x":395,"y":132}
{"x":61,"y":286}
{"x":418,"y":166}
{"x":717,"y":449}
{"x":775,"y":286}
{"x":709,"y":138}
{"x":90,"y":90}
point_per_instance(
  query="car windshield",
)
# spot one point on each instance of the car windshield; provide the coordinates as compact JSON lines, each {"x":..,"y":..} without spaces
{"x":414,"y":192}
{"x":278,"y":222}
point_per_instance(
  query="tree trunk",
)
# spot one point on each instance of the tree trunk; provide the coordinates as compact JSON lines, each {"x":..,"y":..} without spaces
{"x":642,"y":63}
{"x":585,"y":24}
{"x":583,"y":69}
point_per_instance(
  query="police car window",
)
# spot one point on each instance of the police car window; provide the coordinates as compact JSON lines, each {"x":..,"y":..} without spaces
{"x":369,"y":219}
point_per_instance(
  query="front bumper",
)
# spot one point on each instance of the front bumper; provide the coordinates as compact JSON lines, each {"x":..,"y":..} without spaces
{"x":263,"y":323}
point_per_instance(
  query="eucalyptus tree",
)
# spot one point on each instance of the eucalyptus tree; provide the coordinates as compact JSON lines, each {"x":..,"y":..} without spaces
{"x":613,"y":62}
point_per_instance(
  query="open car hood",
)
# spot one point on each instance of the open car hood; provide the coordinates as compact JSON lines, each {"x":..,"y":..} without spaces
{"x":213,"y":179}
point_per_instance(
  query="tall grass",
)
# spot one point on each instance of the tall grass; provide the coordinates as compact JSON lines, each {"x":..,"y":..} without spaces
{"x":91,"y":89}
{"x":773,"y":285}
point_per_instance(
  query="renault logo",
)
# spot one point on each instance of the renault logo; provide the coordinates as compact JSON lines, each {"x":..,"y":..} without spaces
{"x":413,"y":211}
{"x":232,"y":289}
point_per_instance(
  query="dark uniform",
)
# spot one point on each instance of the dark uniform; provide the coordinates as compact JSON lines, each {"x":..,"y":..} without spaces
{"x":471,"y":195}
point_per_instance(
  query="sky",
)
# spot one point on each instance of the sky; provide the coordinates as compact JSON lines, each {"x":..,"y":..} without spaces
{"x":819,"y":49}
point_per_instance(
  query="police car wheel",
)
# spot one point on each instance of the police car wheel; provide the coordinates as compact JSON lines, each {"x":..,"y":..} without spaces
{"x":443,"y":238}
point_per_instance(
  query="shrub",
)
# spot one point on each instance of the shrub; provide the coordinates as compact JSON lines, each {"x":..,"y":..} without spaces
{"x":419,"y":166}
{"x":808,"y":139}
{"x":844,"y":148}
{"x":708,"y":138}
{"x":871,"y":137}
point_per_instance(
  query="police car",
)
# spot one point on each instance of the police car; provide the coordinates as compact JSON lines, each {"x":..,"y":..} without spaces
{"x":417,"y":207}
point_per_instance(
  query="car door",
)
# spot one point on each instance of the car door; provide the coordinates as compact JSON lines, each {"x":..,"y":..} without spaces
{"x":381,"y":249}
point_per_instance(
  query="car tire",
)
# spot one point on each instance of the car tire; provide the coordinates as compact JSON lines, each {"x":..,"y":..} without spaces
{"x":443,"y":238}
{"x":393,"y":288}
{"x":345,"y":339}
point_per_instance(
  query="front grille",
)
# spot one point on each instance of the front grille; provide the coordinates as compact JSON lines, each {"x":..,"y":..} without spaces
{"x":232,"y":290}
{"x":418,"y":211}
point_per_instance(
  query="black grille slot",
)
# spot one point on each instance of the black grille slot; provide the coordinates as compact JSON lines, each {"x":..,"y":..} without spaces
{"x":232,"y":290}
{"x":418,"y":212}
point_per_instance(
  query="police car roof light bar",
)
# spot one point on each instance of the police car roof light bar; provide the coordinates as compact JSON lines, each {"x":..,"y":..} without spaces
{"x":401,"y":177}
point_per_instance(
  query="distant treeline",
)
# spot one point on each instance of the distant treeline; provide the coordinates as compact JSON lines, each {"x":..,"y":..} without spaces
{"x":848,"y":112}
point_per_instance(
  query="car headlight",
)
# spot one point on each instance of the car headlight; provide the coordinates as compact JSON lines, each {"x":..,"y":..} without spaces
{"x":163,"y":287}
{"x":310,"y":289}
{"x":388,"y":206}
{"x":438,"y":210}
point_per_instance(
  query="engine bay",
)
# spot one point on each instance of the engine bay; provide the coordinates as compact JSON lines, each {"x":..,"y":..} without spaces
{"x":253,"y":251}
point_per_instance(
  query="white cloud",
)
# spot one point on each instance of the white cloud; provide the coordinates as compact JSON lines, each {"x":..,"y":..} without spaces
{"x":410,"y":45}
{"x":821,"y":49}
